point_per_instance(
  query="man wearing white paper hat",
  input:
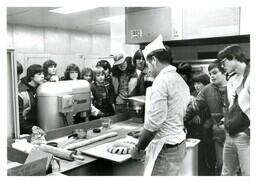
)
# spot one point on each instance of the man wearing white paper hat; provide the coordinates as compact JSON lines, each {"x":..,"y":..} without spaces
{"x":163,"y":137}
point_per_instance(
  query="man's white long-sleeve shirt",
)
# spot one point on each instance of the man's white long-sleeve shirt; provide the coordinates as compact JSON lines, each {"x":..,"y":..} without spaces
{"x":167,"y":106}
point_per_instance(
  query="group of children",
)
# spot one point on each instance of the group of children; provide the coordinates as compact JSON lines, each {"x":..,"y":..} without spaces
{"x":106,"y":88}
{"x":213,"y":96}
{"x":224,"y":147}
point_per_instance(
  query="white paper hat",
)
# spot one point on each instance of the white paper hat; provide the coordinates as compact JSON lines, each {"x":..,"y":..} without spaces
{"x":154,"y":45}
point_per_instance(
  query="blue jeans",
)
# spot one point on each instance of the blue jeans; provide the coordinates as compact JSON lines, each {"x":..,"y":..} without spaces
{"x":169,"y":161}
{"x":236,"y":154}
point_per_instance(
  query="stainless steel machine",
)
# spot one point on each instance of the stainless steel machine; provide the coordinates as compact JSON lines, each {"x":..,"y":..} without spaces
{"x":137,"y":105}
{"x":59,"y":103}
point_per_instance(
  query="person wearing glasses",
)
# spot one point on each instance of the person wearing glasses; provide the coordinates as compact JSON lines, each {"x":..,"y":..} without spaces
{"x":236,"y":153}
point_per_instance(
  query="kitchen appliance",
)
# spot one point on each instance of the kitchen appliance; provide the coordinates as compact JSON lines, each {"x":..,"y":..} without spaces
{"x":62,"y":103}
{"x":140,"y":104}
{"x":137,"y":104}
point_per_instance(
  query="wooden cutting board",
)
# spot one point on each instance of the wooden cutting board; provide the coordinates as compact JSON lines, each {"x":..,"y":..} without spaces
{"x":100,"y":151}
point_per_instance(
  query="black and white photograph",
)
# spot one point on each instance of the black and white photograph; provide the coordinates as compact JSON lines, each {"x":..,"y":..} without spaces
{"x":127,"y":89}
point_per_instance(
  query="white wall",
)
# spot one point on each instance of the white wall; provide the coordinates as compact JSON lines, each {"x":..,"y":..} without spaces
{"x":35,"y":44}
{"x":118,"y":40}
{"x":29,"y":39}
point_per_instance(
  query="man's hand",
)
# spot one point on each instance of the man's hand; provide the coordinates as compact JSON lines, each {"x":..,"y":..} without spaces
{"x":138,"y":151}
{"x":137,"y":154}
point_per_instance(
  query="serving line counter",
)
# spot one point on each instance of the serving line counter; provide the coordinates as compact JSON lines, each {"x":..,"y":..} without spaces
{"x":97,"y":164}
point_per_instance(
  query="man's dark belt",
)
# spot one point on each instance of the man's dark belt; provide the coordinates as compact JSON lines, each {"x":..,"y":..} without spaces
{"x":171,"y":146}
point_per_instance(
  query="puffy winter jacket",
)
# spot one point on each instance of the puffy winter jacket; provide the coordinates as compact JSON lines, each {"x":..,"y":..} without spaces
{"x":27,"y":100}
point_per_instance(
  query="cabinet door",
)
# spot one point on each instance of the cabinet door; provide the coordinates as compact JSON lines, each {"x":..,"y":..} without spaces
{"x":245,"y":21}
{"x":210,"y":22}
{"x":145,"y":25}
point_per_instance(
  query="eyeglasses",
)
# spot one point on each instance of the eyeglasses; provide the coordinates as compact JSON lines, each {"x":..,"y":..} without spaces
{"x":222,"y":62}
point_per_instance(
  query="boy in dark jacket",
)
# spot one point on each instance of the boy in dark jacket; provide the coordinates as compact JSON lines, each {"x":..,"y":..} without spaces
{"x":213,"y":97}
{"x":102,"y":92}
{"x":27,"y":92}
{"x":199,"y":128}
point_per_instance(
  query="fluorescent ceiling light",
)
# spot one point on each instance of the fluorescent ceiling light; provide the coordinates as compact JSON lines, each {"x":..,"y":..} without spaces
{"x":113,"y":19}
{"x":68,"y":10}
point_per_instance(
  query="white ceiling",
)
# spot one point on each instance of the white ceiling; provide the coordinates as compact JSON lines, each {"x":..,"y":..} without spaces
{"x":82,"y":21}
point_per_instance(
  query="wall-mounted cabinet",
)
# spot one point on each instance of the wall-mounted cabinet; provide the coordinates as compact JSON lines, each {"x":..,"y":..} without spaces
{"x":245,"y":21}
{"x":143,"y":25}
{"x":210,"y":22}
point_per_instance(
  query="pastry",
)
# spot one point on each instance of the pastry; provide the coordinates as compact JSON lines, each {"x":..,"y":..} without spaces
{"x":121,"y":148}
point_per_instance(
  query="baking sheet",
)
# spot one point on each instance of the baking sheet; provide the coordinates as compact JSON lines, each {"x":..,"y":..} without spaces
{"x":100,"y":151}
